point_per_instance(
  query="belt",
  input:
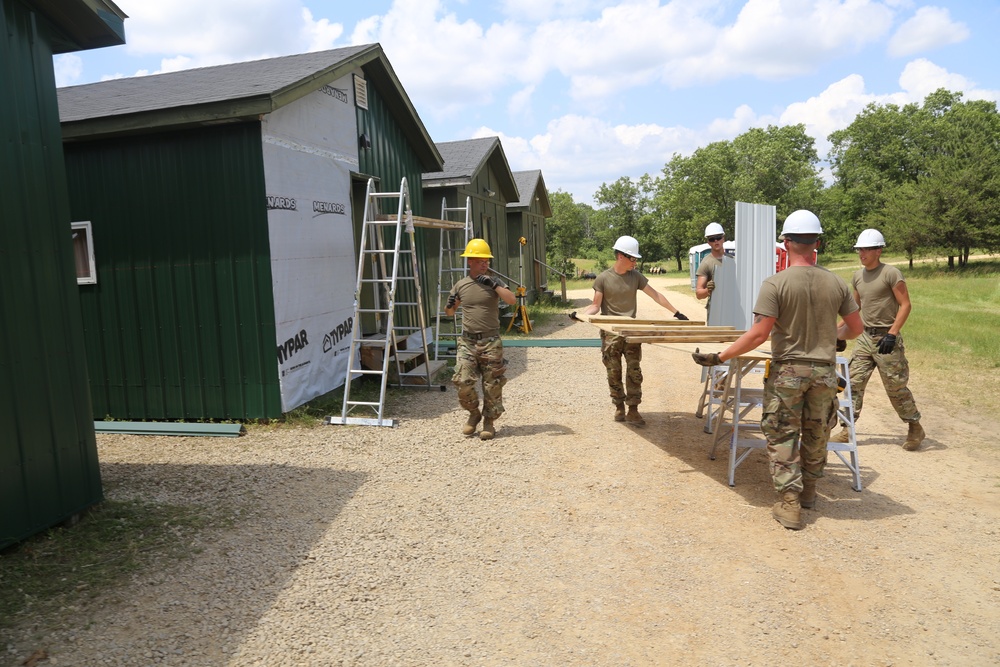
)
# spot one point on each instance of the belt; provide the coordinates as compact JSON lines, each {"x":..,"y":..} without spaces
{"x":480,"y":336}
{"x":876,"y":331}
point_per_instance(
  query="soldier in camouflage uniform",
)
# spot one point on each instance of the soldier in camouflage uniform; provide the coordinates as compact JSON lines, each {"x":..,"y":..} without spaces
{"x":480,"y":348}
{"x":881,"y":292}
{"x":615,"y":294}
{"x":798,"y":309}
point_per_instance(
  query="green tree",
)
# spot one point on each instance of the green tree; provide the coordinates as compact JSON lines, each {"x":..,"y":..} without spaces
{"x":564,"y":232}
{"x":625,"y":210}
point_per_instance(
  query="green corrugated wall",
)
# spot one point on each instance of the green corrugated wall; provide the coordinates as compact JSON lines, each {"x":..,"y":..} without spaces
{"x":391,"y":158}
{"x":48,"y":452}
{"x":180,"y":324}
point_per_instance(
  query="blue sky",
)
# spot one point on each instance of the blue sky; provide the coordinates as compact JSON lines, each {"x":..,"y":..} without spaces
{"x":591,"y":91}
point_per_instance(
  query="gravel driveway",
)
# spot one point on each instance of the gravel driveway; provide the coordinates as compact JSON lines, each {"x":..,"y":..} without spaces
{"x":568,"y":540}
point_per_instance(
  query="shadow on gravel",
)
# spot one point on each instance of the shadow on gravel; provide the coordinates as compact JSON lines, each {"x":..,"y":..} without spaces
{"x":267,"y":521}
{"x":680,"y":434}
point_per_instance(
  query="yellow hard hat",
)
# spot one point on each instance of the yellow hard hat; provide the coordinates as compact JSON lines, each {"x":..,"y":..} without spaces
{"x":478,"y":248}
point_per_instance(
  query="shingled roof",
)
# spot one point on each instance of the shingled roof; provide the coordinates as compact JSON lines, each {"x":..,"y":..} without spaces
{"x":530,"y":184}
{"x":234,"y":92}
{"x":464,"y":159}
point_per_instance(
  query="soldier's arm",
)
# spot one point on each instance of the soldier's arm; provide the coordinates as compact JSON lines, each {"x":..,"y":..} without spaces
{"x":754,"y":337}
{"x":903,"y":299}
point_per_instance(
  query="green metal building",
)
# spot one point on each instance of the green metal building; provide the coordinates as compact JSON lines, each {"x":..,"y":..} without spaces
{"x":48,"y":452}
{"x":526,"y":220}
{"x":225,"y":205}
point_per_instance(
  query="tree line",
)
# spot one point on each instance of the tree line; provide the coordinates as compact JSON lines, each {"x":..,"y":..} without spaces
{"x":927,"y":175}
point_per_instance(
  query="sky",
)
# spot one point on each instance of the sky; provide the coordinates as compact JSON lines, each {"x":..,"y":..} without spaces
{"x":592,"y":91}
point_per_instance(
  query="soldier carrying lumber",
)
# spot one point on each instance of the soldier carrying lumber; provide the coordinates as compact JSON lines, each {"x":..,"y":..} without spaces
{"x":615,"y":292}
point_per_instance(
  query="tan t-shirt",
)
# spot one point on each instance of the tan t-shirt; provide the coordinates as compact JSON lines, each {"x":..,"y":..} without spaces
{"x":806,"y":301}
{"x":707,"y":268}
{"x":878,"y":302}
{"x":480,"y":309}
{"x":618,"y":291}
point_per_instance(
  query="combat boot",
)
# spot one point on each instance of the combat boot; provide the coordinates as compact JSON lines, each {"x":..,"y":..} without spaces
{"x":633,"y":416}
{"x":488,"y":430}
{"x":619,"y":412}
{"x":914,"y":437}
{"x":843,"y":436}
{"x":470,"y":426}
{"x":807,"y":498}
{"x":788,"y":512}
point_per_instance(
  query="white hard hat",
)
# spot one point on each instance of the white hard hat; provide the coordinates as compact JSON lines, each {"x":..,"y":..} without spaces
{"x":627,"y":245}
{"x":714,"y":229}
{"x":870,"y":238}
{"x":801,"y":222}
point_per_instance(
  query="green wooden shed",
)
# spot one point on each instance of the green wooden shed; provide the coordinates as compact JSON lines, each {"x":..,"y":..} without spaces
{"x":478,"y":169}
{"x":526,"y":220}
{"x":224,"y":204}
{"x":48,"y":452}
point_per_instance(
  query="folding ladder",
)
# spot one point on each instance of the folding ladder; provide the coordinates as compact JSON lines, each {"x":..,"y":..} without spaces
{"x":388,"y":291}
{"x":451,"y":269}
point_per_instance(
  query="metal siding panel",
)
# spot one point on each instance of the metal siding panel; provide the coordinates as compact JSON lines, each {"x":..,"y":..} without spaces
{"x":180,"y":234}
{"x":755,"y":234}
{"x":392,"y":158}
{"x":48,"y":453}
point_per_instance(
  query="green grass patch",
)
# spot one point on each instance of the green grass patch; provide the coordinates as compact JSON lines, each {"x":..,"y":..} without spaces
{"x":66,"y":567}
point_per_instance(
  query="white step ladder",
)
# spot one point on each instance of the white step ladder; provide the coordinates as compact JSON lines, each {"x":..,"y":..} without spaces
{"x":389,"y":281}
{"x":451,"y":269}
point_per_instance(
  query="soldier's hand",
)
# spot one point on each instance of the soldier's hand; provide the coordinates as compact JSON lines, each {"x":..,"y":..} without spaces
{"x":488,"y":281}
{"x":841,"y":345}
{"x":705,"y":358}
{"x":710,"y":286}
{"x":573,"y":316}
{"x":680,"y":316}
{"x":452,"y":300}
{"x":887,"y":344}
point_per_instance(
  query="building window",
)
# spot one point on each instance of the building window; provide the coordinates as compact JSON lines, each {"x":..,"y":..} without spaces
{"x":83,"y":253}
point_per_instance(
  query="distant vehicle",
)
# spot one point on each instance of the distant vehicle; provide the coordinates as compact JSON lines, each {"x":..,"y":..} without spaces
{"x":588,"y":275}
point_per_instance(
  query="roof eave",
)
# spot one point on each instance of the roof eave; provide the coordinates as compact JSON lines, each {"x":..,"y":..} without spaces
{"x":84,"y":24}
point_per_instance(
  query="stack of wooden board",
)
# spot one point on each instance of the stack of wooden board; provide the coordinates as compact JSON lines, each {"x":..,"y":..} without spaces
{"x":638,"y":330}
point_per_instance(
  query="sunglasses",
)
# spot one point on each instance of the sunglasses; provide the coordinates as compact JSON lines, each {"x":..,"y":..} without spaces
{"x":713,"y":239}
{"x":629,"y":257}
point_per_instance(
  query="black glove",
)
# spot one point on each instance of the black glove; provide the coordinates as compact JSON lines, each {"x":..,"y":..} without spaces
{"x":452,"y":300}
{"x":680,"y":316}
{"x":706,"y":359}
{"x":887,"y":344}
{"x":573,"y":316}
{"x":841,"y":345}
{"x":486,"y":280}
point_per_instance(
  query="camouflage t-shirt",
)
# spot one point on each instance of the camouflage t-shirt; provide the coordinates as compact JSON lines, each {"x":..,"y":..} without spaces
{"x":618,"y":291}
{"x":805,"y":300}
{"x":480,"y":306}
{"x":878,"y":303}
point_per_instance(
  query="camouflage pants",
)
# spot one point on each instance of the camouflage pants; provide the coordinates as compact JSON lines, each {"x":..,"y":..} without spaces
{"x":893,"y":369}
{"x":613,"y":348}
{"x":798,"y":402}
{"x":475,"y":360}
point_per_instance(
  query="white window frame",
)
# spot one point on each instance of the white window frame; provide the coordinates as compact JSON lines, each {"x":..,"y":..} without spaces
{"x":83,"y":233}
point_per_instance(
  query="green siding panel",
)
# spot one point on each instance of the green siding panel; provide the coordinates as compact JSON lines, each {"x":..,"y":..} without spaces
{"x":180,"y":324}
{"x":390,"y":159}
{"x":48,"y":452}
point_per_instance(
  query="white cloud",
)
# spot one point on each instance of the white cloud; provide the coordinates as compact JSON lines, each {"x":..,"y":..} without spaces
{"x":930,"y":28}
{"x":68,"y":69}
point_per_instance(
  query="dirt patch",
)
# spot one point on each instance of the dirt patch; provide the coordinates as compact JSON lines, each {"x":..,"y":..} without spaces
{"x":568,"y":540}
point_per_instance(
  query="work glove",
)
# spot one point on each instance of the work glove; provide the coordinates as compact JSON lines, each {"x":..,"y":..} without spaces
{"x":841,"y":345}
{"x":680,"y":316}
{"x":887,"y":344}
{"x":710,"y":286}
{"x":452,"y":300}
{"x":486,"y":280}
{"x":573,"y":316}
{"x":706,"y":359}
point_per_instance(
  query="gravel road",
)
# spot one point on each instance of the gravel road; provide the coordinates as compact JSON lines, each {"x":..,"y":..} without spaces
{"x":568,"y":540}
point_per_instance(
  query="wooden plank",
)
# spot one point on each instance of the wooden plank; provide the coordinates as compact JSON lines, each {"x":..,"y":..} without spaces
{"x":686,"y":338}
{"x":617,"y":319}
{"x":421,"y":221}
{"x":625,"y":330}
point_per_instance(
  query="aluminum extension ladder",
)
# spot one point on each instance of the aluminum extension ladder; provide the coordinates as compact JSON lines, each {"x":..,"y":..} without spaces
{"x":388,"y":292}
{"x":451,"y":269}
